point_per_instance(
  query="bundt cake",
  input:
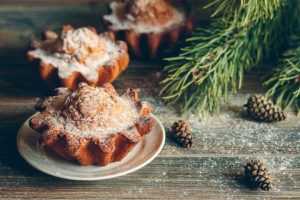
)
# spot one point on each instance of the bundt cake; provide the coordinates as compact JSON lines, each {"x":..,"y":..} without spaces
{"x":92,"y":125}
{"x":79,"y":55}
{"x":147,"y":25}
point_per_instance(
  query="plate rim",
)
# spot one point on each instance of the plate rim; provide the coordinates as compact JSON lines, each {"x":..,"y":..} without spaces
{"x":62,"y":176}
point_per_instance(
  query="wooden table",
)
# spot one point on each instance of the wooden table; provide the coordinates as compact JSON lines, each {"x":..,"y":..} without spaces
{"x":210,"y":170}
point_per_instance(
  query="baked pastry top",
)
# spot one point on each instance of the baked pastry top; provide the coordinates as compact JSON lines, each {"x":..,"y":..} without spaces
{"x":80,"y":50}
{"x":144,"y":16}
{"x":95,"y":116}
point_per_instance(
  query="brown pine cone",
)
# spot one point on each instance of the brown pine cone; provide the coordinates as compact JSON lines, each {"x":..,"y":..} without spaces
{"x":258,"y":175}
{"x":264,"y":110}
{"x":181,"y":132}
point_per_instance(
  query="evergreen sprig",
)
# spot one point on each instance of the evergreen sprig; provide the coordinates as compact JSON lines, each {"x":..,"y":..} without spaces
{"x":213,"y":63}
{"x":284,"y":84}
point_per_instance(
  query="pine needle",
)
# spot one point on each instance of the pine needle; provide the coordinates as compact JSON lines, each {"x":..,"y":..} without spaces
{"x":213,"y":63}
{"x":284,"y":84}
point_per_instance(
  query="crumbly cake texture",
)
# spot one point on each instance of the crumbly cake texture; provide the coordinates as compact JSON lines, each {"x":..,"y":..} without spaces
{"x":92,"y":125}
{"x":144,"y":16}
{"x":80,"y":52}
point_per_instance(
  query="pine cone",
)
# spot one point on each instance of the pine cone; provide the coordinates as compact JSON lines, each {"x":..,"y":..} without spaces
{"x":181,"y":132}
{"x":258,"y":175}
{"x":262,"y":109}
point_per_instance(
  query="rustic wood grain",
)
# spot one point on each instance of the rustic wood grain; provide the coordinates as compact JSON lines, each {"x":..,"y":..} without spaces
{"x":210,"y":170}
{"x":169,"y":176}
{"x":210,"y":173}
{"x":50,"y":2}
{"x":165,"y":177}
{"x":17,"y":101}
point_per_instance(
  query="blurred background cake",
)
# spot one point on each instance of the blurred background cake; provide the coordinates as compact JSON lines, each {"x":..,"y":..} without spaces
{"x":148,"y":25}
{"x":77,"y":55}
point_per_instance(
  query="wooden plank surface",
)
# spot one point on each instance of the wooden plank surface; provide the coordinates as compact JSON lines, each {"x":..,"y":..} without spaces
{"x":210,"y":170}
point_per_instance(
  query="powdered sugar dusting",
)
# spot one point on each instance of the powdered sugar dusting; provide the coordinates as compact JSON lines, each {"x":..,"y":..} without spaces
{"x":222,"y":144}
{"x":107,"y":123}
{"x":94,"y":111}
{"x":231,"y":132}
{"x":82,"y":42}
{"x":130,"y":23}
{"x":84,"y":52}
{"x":234,"y":133}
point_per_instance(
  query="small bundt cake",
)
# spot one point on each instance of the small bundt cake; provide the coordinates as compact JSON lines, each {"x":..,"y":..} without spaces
{"x":148,"y":24}
{"x":92,"y":125}
{"x":79,"y":55}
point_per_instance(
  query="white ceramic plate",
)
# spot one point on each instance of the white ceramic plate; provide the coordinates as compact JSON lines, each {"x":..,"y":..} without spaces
{"x":141,"y":155}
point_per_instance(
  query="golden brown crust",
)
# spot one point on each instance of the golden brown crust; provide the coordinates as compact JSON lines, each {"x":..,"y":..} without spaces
{"x":154,"y":41}
{"x":154,"y":14}
{"x":106,"y":73}
{"x":88,"y":149}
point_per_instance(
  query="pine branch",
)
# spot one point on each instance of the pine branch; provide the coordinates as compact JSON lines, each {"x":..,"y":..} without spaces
{"x":212,"y":64}
{"x":284,"y":84}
